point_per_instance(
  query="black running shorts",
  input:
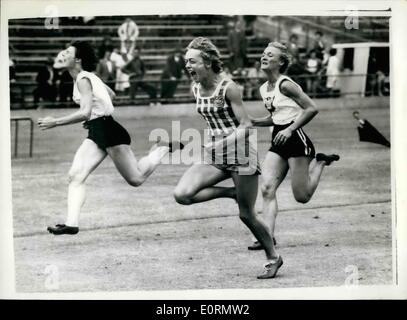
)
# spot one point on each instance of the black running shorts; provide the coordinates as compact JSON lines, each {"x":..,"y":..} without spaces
{"x":298,"y":145}
{"x":106,"y":132}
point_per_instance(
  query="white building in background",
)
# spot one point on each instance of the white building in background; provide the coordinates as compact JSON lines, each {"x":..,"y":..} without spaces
{"x":354,"y":64}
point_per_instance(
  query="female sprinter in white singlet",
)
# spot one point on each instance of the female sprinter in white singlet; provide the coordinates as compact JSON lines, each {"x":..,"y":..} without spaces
{"x":105,"y":135}
{"x":290,"y":110}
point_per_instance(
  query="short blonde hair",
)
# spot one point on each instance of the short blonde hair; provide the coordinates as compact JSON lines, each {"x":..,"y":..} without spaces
{"x":209,"y":52}
{"x":284,"y":55}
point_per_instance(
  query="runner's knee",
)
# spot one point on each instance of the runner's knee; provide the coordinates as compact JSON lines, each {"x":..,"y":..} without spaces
{"x":183,"y":196}
{"x":246,"y":214}
{"x":76,"y":176}
{"x":302,"y":196}
{"x":268,"y":191}
{"x":134,"y":181}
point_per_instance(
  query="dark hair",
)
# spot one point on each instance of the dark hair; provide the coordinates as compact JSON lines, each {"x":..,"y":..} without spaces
{"x":319,"y":32}
{"x":50,"y":61}
{"x":209,"y":53}
{"x":85,"y":52}
{"x":332,"y":52}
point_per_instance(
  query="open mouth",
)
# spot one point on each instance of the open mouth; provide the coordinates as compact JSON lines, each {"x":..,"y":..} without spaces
{"x":59,"y":61}
{"x":193,"y":74}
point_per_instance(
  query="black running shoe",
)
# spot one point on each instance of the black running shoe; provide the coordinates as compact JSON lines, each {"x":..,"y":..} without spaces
{"x":328,"y":158}
{"x":257,"y":245}
{"x":173,"y":145}
{"x":63,"y":229}
{"x":271,"y":268}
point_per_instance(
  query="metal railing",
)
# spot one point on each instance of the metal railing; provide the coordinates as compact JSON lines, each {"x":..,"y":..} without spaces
{"x":16,"y":131}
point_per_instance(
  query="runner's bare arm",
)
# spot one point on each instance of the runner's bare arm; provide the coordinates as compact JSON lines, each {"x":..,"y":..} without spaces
{"x":303,"y":100}
{"x":111,"y":93}
{"x":83,"y":114}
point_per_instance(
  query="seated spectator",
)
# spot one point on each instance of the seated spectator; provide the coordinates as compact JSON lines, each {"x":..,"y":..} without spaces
{"x":46,"y":83}
{"x":173,"y":71}
{"x":12,"y":79}
{"x":296,"y":70}
{"x":255,"y":78}
{"x":292,"y":45}
{"x":313,"y":67}
{"x":239,"y":77}
{"x":106,"y":71}
{"x":106,"y":45}
{"x":383,"y":82}
{"x":135,"y":69}
{"x":226,"y":72}
{"x":377,"y":82}
{"x":128,"y":33}
{"x":12,"y":71}
{"x":319,"y":45}
{"x":65,"y":86}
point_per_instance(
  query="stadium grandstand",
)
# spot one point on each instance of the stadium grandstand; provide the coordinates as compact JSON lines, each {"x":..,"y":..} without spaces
{"x":31,"y":44}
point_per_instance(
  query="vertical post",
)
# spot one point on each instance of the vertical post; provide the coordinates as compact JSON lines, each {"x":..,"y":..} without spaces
{"x":16,"y":140}
{"x":307,"y":38}
{"x":22,"y":95}
{"x":31,"y":137}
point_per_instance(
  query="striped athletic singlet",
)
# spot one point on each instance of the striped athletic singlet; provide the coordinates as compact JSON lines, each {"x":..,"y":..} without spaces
{"x":240,"y":157}
{"x":218,"y":114}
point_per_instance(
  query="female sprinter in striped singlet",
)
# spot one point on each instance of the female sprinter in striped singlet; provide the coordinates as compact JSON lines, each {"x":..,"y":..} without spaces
{"x":105,"y":135}
{"x":230,"y":153}
{"x":290,"y":109}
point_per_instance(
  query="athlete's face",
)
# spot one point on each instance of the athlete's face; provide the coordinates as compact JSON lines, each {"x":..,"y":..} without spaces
{"x":195,"y":65}
{"x":270,"y":60}
{"x":65,"y":59}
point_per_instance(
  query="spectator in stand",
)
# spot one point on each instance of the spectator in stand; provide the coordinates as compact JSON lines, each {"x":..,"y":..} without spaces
{"x":383,"y":82}
{"x":237,"y":46}
{"x":46,"y":83}
{"x":135,"y":69}
{"x":106,"y":45}
{"x":122,"y":79}
{"x":226,"y":72}
{"x":292,"y":46}
{"x":319,"y":46}
{"x":128,"y":33}
{"x":12,"y":71}
{"x":74,"y":21}
{"x":255,"y":78}
{"x":296,"y":71}
{"x":376,"y":78}
{"x":313,"y":67}
{"x":106,"y":71}
{"x":65,"y":86}
{"x":249,"y":21}
{"x":12,"y":78}
{"x":173,"y":71}
{"x":332,"y":70}
{"x":89,"y":20}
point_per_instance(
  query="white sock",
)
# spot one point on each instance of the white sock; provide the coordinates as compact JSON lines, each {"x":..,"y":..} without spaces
{"x":76,"y":199}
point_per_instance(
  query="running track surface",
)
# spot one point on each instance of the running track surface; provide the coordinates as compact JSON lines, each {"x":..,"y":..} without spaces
{"x":141,"y":239}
